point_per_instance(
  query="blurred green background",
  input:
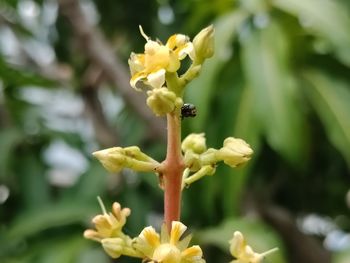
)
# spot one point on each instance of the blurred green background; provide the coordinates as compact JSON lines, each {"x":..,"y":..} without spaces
{"x":280,"y":79}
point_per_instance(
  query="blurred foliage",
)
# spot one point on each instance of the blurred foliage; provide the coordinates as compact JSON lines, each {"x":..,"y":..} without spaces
{"x":280,"y":79}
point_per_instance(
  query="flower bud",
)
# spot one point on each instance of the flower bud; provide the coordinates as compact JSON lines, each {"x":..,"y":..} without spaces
{"x":237,"y":244}
{"x":161,"y":101}
{"x":192,"y":161}
{"x":235,"y":152}
{"x":194,"y":142}
{"x":204,"y":44}
{"x":113,"y":246}
{"x":112,"y":159}
{"x":243,"y":253}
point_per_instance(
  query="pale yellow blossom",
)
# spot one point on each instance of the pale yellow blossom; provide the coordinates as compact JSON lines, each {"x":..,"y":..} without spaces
{"x":108,"y":225}
{"x":150,"y":67}
{"x":243,"y":253}
{"x":167,"y":248}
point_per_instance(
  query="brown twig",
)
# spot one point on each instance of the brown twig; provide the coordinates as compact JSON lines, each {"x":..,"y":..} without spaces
{"x":300,"y":247}
{"x":105,"y":134}
{"x":97,"y":50}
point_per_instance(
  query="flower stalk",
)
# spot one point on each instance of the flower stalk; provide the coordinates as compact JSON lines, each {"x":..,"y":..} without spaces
{"x":173,"y":167}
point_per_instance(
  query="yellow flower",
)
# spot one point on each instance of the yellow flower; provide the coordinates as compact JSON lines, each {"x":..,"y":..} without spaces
{"x":108,"y":225}
{"x":243,"y":253}
{"x":150,"y":67}
{"x":167,"y":248}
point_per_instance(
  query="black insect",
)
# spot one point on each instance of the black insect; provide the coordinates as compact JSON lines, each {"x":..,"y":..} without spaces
{"x":188,"y":110}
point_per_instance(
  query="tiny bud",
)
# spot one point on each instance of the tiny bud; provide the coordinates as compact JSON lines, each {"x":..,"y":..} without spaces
{"x":194,"y":142}
{"x":237,"y":244}
{"x":235,"y":152}
{"x":161,"y":101}
{"x":112,"y":159}
{"x":242,"y":252}
{"x":204,"y":44}
{"x":192,"y":161}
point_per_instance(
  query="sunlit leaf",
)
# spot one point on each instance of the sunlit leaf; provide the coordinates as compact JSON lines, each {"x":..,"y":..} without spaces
{"x":200,"y":91}
{"x":12,"y":75}
{"x":33,"y":221}
{"x":259,"y":236}
{"x":248,"y":128}
{"x":8,"y":141}
{"x":328,"y":19}
{"x":265,"y":63}
{"x":331,"y":99}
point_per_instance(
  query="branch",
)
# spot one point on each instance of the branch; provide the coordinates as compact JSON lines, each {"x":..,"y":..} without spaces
{"x":300,"y":247}
{"x":100,"y":53}
{"x":105,"y":134}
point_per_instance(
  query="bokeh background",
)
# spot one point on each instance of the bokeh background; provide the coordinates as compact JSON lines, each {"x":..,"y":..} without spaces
{"x":280,"y":79}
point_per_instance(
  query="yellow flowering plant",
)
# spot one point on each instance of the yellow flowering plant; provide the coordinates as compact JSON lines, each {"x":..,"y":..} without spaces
{"x":155,"y":71}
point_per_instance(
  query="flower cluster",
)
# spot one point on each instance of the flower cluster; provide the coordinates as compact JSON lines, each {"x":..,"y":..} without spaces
{"x":109,"y":232}
{"x":149,"y":245}
{"x":156,"y":72}
{"x":156,"y":69}
{"x":201,"y":161}
{"x":164,"y":247}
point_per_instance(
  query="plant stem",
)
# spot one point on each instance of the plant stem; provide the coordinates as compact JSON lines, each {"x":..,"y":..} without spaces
{"x":173,"y":170}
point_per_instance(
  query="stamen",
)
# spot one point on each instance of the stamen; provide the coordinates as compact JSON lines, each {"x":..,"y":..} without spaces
{"x":103,"y":208}
{"x":143,"y":33}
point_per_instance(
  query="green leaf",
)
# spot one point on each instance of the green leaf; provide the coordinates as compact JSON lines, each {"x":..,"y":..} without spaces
{"x":34,"y":221}
{"x":200,"y":91}
{"x":328,"y":19}
{"x":331,"y":99}
{"x":259,"y":236}
{"x":9,"y":138}
{"x":248,"y":128}
{"x":12,"y":75}
{"x":265,"y":63}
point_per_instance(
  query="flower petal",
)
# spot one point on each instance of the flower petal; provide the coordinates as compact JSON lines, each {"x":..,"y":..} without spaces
{"x":136,"y":63}
{"x":185,"y":50}
{"x":156,"y":79}
{"x":192,"y":254}
{"x":136,"y":78}
{"x":147,"y":241}
{"x":177,"y":229}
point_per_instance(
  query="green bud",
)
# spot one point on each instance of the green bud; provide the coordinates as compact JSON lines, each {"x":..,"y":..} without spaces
{"x":235,"y":152}
{"x":194,"y":142}
{"x":161,"y":101}
{"x":203,"y":44}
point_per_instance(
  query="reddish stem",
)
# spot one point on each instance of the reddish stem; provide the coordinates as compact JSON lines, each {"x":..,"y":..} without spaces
{"x":173,"y":169}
